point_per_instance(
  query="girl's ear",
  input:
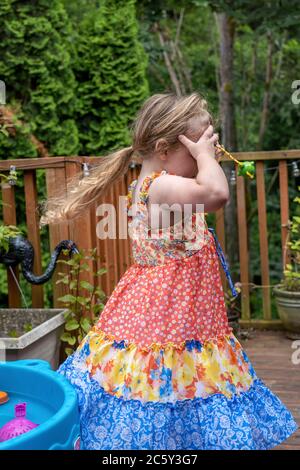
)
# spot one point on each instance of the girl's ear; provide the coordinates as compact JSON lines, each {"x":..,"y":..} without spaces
{"x":161,"y":146}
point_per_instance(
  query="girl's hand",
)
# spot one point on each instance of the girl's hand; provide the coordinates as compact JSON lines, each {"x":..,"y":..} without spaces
{"x":205,"y":145}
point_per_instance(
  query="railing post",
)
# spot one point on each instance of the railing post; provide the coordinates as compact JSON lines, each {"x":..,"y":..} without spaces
{"x":10,"y":218}
{"x":56,"y":178}
{"x":263,"y":239}
{"x":284,"y":210}
{"x":243,"y":245}
{"x":32,"y":221}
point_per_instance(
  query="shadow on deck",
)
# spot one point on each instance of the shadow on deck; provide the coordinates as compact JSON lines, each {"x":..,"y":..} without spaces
{"x":270,"y":353}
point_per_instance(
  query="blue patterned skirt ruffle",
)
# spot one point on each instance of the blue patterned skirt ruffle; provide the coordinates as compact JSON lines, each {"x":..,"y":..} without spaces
{"x":253,"y":420}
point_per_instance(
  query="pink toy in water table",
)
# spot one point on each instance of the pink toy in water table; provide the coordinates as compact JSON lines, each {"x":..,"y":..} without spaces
{"x":17,"y":426}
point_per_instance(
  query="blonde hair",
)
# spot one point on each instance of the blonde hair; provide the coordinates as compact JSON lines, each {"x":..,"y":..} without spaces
{"x":161,"y":116}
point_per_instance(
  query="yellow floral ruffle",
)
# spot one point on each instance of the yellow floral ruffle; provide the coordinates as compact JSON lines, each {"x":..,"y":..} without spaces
{"x":168,"y":372}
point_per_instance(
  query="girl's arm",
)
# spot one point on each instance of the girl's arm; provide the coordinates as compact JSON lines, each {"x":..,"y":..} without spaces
{"x":210,"y":187}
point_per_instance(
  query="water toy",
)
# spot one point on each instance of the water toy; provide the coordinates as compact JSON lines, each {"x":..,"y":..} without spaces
{"x":3,"y":397}
{"x":18,"y":425}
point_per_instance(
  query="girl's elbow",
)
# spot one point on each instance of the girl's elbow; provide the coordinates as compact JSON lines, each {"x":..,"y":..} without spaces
{"x":222,"y":196}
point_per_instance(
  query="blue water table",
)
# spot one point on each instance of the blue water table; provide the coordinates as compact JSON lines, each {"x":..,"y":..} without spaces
{"x":51,"y":402}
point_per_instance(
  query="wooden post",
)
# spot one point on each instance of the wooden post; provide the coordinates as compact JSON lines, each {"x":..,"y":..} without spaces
{"x":243,"y":244}
{"x":284,"y":210}
{"x":56,"y":178}
{"x":263,"y":238}
{"x":10,"y":218}
{"x":32,"y":220}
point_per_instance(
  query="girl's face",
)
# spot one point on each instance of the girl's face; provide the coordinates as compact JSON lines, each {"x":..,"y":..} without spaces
{"x":180,"y":161}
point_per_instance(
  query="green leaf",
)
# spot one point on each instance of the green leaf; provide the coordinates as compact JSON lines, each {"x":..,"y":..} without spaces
{"x":62,"y":281}
{"x":62,"y":274}
{"x":67,"y":338}
{"x":72,"y":285}
{"x":101,"y":271}
{"x":68,"y":298}
{"x":72,"y":325}
{"x":85,"y":267}
{"x":28,"y":327}
{"x":100,"y":293}
{"x":82,"y":300}
{"x":87,"y":285}
{"x":67,"y":262}
{"x":85,"y":325}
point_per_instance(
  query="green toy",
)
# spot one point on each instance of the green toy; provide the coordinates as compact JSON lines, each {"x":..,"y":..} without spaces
{"x":245,"y":168}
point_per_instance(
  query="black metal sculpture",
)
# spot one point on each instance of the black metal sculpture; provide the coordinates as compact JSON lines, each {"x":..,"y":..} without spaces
{"x":21,"y":251}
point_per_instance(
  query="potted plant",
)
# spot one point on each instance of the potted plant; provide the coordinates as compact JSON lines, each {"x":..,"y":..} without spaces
{"x":31,"y":333}
{"x":26,"y":332}
{"x":83,"y":302}
{"x":37,"y":333}
{"x":287,"y":292}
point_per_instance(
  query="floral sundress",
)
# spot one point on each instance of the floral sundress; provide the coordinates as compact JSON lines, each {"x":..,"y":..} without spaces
{"x":162,"y":369}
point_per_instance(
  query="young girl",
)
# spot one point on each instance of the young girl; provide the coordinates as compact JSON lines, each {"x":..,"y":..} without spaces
{"x":162,"y":369}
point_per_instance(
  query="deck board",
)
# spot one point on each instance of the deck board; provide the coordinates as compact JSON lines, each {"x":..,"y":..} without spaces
{"x":270,"y":353}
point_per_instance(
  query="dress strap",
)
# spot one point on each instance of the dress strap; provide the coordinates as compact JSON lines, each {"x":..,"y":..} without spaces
{"x":223,"y":262}
{"x":143,"y":193}
{"x":146,"y":183}
{"x":129,"y":194}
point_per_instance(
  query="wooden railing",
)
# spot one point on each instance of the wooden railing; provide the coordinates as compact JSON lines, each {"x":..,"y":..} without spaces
{"x":115,"y":254}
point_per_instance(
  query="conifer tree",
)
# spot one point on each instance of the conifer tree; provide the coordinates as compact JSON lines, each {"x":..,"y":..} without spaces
{"x":35,"y":63}
{"x":111,"y":75}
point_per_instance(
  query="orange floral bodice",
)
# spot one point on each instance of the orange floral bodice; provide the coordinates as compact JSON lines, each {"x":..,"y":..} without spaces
{"x":153,"y":246}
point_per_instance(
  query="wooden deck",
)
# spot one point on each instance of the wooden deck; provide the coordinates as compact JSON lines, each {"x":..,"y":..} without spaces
{"x":270,"y":353}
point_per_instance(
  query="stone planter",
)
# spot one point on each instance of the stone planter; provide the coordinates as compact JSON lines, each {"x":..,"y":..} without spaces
{"x":41,"y":342}
{"x":288,"y":306}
